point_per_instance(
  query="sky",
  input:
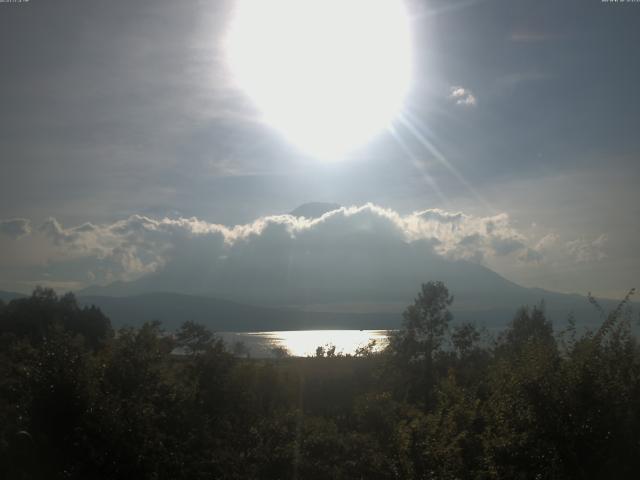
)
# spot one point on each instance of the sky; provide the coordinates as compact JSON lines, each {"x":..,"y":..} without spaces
{"x":127,"y":145}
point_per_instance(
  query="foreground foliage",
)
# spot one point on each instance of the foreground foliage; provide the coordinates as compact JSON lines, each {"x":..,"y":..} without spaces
{"x":440,"y":402}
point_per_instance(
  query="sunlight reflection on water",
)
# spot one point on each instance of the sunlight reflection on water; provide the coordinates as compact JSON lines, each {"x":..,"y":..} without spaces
{"x":302,"y":343}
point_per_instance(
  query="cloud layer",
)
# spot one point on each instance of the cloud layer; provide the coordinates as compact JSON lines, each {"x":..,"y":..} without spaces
{"x":349,"y":252}
{"x":139,"y":244}
{"x":15,"y":227}
{"x":354,"y":244}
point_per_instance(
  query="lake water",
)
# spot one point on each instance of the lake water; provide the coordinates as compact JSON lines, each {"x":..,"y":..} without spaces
{"x":303,"y":343}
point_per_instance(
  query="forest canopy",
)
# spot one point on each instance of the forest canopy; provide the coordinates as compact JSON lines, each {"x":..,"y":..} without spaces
{"x":78,"y":400}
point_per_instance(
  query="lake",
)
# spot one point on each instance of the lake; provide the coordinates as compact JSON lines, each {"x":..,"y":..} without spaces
{"x":302,"y":343}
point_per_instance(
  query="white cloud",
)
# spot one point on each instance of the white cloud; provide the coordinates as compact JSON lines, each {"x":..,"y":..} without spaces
{"x":462,"y":96}
{"x":543,"y":248}
{"x":15,"y":227}
{"x":584,"y":250}
{"x":531,"y":255}
{"x":552,"y":250}
{"x":139,"y":245}
{"x":547,"y":242}
{"x":352,"y":251}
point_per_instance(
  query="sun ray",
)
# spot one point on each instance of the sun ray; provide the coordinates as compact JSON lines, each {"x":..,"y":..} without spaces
{"x":418,"y":165}
{"x":409,"y":124}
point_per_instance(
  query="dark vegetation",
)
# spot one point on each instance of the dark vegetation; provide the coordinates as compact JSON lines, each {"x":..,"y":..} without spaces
{"x":78,"y":401}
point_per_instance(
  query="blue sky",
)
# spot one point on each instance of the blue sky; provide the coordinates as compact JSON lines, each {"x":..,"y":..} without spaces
{"x":527,"y":109}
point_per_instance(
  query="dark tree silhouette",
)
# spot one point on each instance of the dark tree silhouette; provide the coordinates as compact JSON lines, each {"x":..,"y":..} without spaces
{"x":35,"y":316}
{"x":77,"y":402}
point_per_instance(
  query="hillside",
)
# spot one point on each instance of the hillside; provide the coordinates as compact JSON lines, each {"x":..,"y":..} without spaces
{"x":221,"y":315}
{"x":8,"y":296}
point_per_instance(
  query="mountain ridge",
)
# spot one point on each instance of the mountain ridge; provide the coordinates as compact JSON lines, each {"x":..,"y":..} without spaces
{"x":480,"y":295}
{"x":172,"y":309}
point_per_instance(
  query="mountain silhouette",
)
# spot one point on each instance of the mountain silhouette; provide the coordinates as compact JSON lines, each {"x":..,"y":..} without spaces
{"x":8,"y":296}
{"x":481,"y":296}
{"x":350,"y":262}
{"x":172,"y":309}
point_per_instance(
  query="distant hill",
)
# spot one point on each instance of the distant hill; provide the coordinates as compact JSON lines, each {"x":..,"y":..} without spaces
{"x":8,"y":296}
{"x":221,"y":315}
{"x":173,"y":309}
{"x":279,"y":279}
{"x":481,"y":296}
{"x":224,"y":315}
{"x":296,"y":283}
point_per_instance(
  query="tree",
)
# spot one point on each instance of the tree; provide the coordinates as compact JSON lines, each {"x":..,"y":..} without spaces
{"x":425,"y":323}
{"x":414,"y":348}
{"x":465,"y":338}
{"x":193,"y":337}
{"x":529,"y":326}
{"x":240,"y":349}
{"x":35,"y":317}
{"x":280,"y":352}
{"x":368,"y":350}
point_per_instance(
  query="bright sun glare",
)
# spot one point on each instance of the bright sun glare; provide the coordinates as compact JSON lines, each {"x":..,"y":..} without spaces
{"x":329,"y":74}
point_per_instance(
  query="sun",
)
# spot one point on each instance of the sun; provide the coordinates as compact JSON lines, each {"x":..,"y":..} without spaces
{"x":328,"y":74}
